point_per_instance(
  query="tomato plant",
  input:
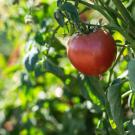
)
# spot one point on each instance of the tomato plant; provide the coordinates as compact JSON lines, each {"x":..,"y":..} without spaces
{"x":41,"y":92}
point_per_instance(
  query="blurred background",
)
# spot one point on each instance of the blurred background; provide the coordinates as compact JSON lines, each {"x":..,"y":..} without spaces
{"x":40,"y":91}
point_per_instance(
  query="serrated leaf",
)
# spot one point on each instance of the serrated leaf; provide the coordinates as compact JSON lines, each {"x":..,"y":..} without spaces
{"x":59,"y":17}
{"x":114,"y":100}
{"x":71,"y":11}
{"x":131,"y":74}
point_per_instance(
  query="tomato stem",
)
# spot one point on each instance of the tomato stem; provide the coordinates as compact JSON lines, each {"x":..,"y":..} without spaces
{"x":98,"y":8}
{"x":124,"y":29}
{"x":117,"y":60}
{"x":125,"y":14}
{"x":126,"y":94}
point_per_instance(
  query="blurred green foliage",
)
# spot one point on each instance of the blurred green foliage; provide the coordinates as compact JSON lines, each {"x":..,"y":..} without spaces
{"x":40,"y":91}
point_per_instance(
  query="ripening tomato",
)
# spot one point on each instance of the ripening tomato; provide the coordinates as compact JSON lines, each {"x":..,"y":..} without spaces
{"x":83,"y":17}
{"x":92,"y":54}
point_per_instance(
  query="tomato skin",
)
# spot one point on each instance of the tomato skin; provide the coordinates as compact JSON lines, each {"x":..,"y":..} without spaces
{"x":92,"y":54}
{"x":83,"y":18}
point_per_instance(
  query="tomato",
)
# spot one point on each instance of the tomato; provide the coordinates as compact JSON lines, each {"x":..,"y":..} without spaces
{"x":83,"y":18}
{"x":92,"y":54}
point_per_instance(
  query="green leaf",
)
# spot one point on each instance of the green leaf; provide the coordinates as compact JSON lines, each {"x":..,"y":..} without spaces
{"x":131,"y":126}
{"x":71,"y":11}
{"x":12,"y":69}
{"x":82,"y":88}
{"x":131,"y":74}
{"x":59,"y":17}
{"x":39,"y":38}
{"x":25,"y":79}
{"x":54,"y":69}
{"x":126,"y":15}
{"x":132,"y":101}
{"x":59,"y":3}
{"x":114,"y":99}
{"x":133,"y":11}
{"x":88,"y":94}
{"x":38,"y":69}
{"x":31,"y":59}
{"x":96,"y":88}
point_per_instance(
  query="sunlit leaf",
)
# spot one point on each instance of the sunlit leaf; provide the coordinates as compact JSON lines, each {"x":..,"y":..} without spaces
{"x":114,"y":100}
{"x":31,"y":59}
{"x":131,"y":74}
{"x":96,"y":87}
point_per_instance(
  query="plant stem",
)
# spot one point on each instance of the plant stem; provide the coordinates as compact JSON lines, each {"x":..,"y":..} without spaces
{"x":123,"y":11}
{"x":124,"y":33}
{"x":113,"y":11}
{"x":121,"y":45}
{"x":125,"y":15}
{"x":124,"y":18}
{"x":111,"y":71}
{"x":126,"y":94}
{"x":53,"y":35}
{"x":112,"y":24}
{"x":98,"y":8}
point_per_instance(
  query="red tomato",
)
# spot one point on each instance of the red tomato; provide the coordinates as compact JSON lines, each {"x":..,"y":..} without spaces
{"x":83,"y":17}
{"x":92,"y":54}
